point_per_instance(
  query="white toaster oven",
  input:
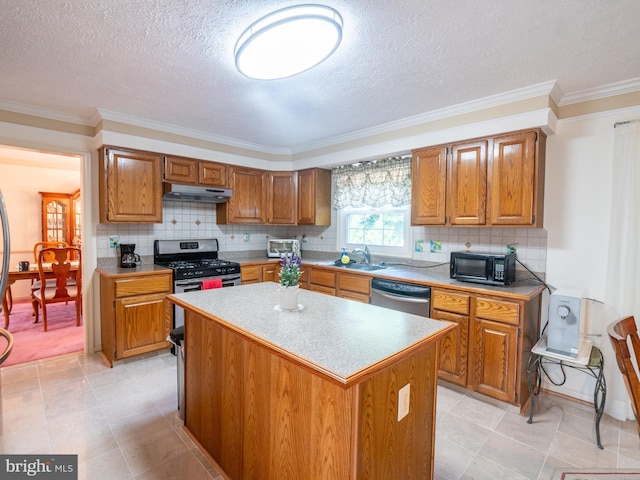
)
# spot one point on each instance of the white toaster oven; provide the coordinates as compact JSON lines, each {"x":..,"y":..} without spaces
{"x":276,"y":246}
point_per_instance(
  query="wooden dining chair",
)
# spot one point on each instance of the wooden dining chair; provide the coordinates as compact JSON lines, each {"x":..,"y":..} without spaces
{"x":68,"y":285}
{"x":9,"y":344}
{"x":35,"y":284}
{"x":620,"y":333}
{"x":40,"y":245}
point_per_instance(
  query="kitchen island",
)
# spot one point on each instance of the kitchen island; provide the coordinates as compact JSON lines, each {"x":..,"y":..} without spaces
{"x":313,"y":393}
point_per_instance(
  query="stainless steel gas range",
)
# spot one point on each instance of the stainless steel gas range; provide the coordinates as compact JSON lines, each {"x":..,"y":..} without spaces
{"x":194,"y":263}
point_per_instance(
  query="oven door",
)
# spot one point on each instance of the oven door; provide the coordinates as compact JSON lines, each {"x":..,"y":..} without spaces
{"x":193,"y":284}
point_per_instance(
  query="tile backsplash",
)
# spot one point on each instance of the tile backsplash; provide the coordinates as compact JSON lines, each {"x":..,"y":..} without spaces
{"x":198,"y":220}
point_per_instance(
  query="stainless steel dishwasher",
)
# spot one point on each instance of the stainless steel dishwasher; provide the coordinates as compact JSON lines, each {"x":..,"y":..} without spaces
{"x":405,"y":297}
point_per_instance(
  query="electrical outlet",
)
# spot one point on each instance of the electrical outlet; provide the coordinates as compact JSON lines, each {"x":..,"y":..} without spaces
{"x":246,"y":237}
{"x":403,"y":401}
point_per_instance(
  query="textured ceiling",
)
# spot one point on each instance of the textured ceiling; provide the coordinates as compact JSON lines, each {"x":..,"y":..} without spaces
{"x":172,"y":61}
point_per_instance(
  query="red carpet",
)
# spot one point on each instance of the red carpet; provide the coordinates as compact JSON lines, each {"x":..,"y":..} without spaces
{"x":31,"y":342}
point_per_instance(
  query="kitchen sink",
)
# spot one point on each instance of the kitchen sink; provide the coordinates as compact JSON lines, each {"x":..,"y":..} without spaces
{"x":359,"y":266}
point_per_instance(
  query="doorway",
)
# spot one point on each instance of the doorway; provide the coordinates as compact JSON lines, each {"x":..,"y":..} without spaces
{"x":24,"y":174}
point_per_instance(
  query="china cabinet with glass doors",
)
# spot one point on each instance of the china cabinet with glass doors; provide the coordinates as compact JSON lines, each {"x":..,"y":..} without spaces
{"x":61,"y":217}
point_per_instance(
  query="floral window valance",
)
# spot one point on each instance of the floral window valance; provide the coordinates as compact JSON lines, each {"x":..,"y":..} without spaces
{"x":373,"y":184}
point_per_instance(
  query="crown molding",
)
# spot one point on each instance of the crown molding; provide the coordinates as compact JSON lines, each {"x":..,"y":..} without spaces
{"x":45,"y":113}
{"x":512,"y":96}
{"x":185,"y":132}
{"x":618,"y":88}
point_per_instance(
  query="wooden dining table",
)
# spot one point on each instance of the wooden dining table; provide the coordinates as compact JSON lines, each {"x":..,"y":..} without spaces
{"x":31,"y":274}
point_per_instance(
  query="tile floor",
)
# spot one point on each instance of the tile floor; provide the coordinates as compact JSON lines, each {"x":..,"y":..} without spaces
{"x":123,"y":424}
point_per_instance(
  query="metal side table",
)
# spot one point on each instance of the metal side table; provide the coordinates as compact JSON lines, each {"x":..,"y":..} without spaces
{"x":589,"y":361}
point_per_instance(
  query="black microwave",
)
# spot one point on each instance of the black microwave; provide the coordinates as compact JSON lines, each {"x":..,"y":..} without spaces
{"x":487,"y":268}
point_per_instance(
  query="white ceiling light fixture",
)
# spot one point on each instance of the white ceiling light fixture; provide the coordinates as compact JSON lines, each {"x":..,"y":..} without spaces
{"x":288,"y":41}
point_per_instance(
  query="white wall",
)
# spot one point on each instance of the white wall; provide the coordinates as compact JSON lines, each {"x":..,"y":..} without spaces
{"x":20,"y":185}
{"x":577,"y":211}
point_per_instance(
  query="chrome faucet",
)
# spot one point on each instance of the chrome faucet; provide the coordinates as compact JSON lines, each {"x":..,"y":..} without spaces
{"x":365,"y":254}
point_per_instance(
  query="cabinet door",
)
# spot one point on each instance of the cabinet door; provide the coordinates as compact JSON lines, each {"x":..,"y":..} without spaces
{"x":247,"y":204}
{"x":428,"y":186}
{"x":467,"y":184}
{"x":270,"y":272}
{"x":179,"y":169}
{"x":211,"y":173}
{"x":282,"y":198}
{"x":453,"y":348}
{"x":514,"y":187}
{"x":130,"y":186}
{"x":494,"y":359}
{"x":314,"y":197}
{"x":141,"y":325}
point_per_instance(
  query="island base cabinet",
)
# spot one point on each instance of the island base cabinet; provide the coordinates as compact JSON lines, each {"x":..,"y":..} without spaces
{"x":259,"y":415}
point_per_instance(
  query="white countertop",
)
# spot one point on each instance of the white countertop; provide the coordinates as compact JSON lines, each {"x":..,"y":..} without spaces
{"x":338,"y":337}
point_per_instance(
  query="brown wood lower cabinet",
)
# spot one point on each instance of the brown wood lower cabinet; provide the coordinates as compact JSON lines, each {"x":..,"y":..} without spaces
{"x":260,"y":415}
{"x":488,"y":350}
{"x":322,"y":280}
{"x":134,"y":316}
{"x":354,"y":287}
{"x":260,"y":272}
{"x":452,"y":307}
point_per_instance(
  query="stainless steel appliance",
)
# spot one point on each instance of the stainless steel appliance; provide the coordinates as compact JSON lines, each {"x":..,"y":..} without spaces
{"x":401,"y":296}
{"x":194,"y":262}
{"x":128,"y":259}
{"x":487,"y":268}
{"x":193,"y":193}
{"x":277,"y":246}
{"x":6,"y":253}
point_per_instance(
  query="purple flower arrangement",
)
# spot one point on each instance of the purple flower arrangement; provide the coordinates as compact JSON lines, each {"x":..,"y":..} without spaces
{"x":290,"y":271}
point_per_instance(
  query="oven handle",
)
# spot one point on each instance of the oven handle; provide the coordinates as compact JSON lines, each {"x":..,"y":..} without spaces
{"x":196,"y":283}
{"x":401,"y":298}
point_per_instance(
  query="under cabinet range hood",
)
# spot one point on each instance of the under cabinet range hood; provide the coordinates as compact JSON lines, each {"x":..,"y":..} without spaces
{"x":194,"y":193}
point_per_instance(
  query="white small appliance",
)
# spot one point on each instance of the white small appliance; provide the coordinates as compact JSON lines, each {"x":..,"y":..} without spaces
{"x":276,"y":246}
{"x":566,"y":322}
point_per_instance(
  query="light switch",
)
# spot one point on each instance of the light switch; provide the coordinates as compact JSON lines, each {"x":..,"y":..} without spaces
{"x":403,"y":401}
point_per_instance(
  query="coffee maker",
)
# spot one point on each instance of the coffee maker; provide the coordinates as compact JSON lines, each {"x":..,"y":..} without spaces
{"x":128,"y":259}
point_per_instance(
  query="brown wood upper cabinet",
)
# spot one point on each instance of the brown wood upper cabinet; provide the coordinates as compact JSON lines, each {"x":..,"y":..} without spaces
{"x":279,"y":198}
{"x":282,"y":198}
{"x":248,"y":203}
{"x":485,"y":182}
{"x":314,"y":197}
{"x":516,"y":179}
{"x":194,"y":172}
{"x":130,"y":183}
{"x":449,"y":184}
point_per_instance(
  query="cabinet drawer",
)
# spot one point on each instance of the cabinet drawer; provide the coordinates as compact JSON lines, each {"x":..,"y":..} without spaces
{"x":450,"y":302}
{"x":322,"y":277}
{"x":358,"y":297}
{"x":251,"y":274}
{"x":323,"y":289}
{"x":505,"y":312}
{"x":143,"y":285}
{"x":355,"y":283}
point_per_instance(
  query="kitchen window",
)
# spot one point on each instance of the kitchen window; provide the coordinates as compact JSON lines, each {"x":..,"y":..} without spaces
{"x":384,"y":230}
{"x":373,"y":201}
